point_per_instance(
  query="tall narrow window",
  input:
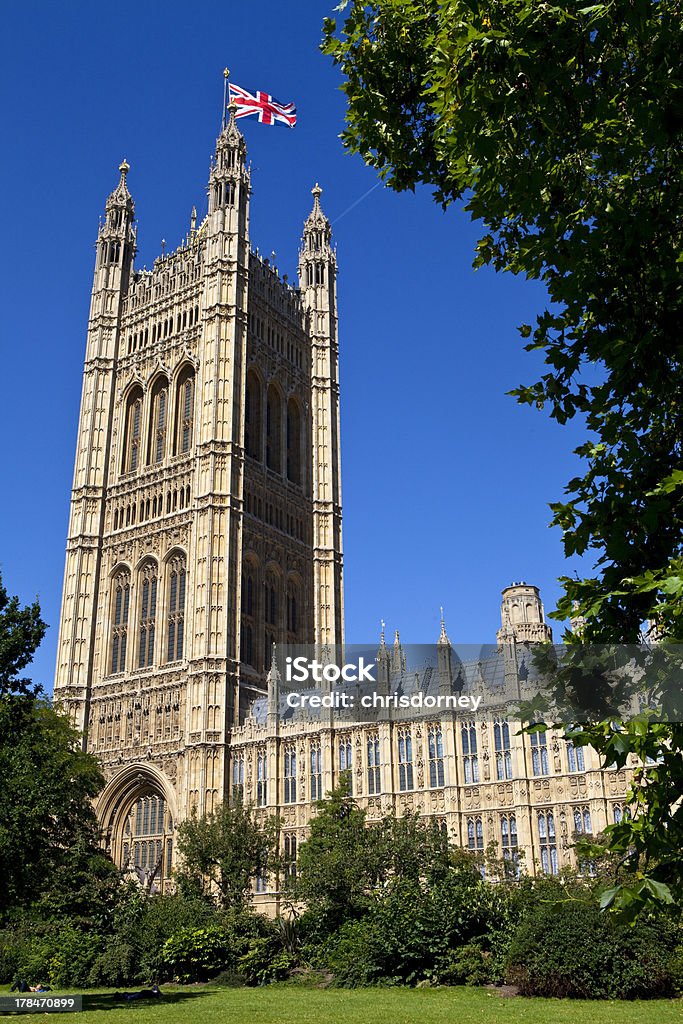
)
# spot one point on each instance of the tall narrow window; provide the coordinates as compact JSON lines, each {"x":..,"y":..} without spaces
{"x":253,"y":420}
{"x":547,"y":841}
{"x":468,"y":734}
{"x":539,"y":753}
{"x":501,"y":736}
{"x":157,"y":437}
{"x":261,"y":779}
{"x":238,"y":778}
{"x":374,"y":765}
{"x":435,"y":748}
{"x":293,"y":442}
{"x":121,"y":603}
{"x":148,"y":609}
{"x":509,"y":843}
{"x":131,"y":456}
{"x":177,"y":582}
{"x":316,"y":771}
{"x":582,"y":821}
{"x":290,"y":775}
{"x":475,"y":835}
{"x":346,"y":760}
{"x":405,"y":760}
{"x":575,"y":758}
{"x":274,"y":430}
{"x":289,"y":859}
{"x":185,"y":412}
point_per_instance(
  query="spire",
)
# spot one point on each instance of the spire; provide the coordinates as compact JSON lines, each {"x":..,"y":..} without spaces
{"x":121,"y":197}
{"x":443,"y":637}
{"x":398,"y":659}
{"x":273,"y":684}
{"x":317,"y":229}
{"x":229,"y":175}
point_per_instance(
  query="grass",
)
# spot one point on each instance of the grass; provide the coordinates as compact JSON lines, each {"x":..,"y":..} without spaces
{"x":284,"y":1004}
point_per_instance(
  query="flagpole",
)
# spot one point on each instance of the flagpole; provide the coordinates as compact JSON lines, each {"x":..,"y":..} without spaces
{"x":226,"y":76}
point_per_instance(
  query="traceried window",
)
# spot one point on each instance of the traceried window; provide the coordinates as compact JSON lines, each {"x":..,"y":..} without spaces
{"x":131,"y":453}
{"x":261,"y":879}
{"x":405,"y":760}
{"x":475,"y":834}
{"x":289,"y":858}
{"x":501,"y":737}
{"x":120,"y":608}
{"x":547,"y":842}
{"x":185,"y":412}
{"x":147,"y":584}
{"x":620,"y":813}
{"x":177,"y":583}
{"x":346,"y":760}
{"x":238,"y":778}
{"x":253,"y":420}
{"x":148,"y":840}
{"x":158,"y":425}
{"x":316,"y":771}
{"x":293,"y":605}
{"x":575,"y":758}
{"x":468,"y":735}
{"x":435,"y":748}
{"x":274,"y":430}
{"x":539,"y":753}
{"x":290,"y":775}
{"x":261,"y":779}
{"x":583,"y":825}
{"x":509,"y":842}
{"x":374,"y":765}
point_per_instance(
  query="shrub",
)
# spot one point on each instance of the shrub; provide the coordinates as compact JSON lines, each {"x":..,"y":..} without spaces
{"x":195,"y":954}
{"x":575,"y":951}
{"x":469,"y":965}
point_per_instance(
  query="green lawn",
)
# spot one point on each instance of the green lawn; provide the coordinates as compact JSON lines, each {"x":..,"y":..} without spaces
{"x":286,"y":1004}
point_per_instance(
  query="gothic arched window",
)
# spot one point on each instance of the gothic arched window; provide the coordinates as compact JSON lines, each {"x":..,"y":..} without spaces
{"x":131,"y":446}
{"x":148,"y":581}
{"x":147,"y":846}
{"x":253,"y":425}
{"x":293,"y":442}
{"x":120,"y":606}
{"x":177,"y":582}
{"x":274,"y":430}
{"x":184,"y":412}
{"x":158,"y":425}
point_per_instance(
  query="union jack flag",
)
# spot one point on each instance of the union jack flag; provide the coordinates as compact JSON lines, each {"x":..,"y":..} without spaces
{"x":262,"y":103}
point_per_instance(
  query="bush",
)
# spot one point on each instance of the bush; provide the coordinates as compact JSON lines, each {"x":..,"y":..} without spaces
{"x":195,"y":954}
{"x":469,"y":965}
{"x":575,"y":951}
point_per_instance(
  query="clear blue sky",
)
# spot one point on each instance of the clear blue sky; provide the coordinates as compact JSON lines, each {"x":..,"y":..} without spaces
{"x":446,"y":480}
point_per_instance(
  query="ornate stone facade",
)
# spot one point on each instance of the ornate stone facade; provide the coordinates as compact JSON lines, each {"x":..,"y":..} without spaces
{"x":206,"y":526}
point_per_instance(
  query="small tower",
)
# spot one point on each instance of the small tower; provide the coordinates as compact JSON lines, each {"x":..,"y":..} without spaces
{"x":113,"y":265}
{"x":444,"y":660}
{"x":318,"y":284}
{"x":115,"y":241}
{"x":522,"y":612}
{"x":398,"y":658}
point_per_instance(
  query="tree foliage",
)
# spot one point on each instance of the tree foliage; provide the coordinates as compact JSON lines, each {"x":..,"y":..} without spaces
{"x":559,"y":127}
{"x":346,"y":861}
{"x":224,"y":851}
{"x":50,"y":859}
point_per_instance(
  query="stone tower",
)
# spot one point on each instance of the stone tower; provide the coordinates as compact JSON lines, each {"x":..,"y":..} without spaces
{"x":522,"y":615}
{"x":206,"y":508}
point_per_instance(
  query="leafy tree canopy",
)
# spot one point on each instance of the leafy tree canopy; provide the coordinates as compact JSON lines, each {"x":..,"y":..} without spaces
{"x":224,"y":851}
{"x":346,"y":861}
{"x":559,"y":126}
